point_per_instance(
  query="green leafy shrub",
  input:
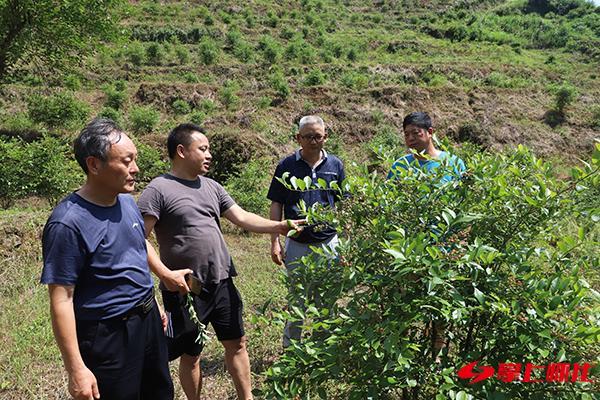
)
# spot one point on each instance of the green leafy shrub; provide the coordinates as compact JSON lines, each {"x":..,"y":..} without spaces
{"x":111,"y":113}
{"x":208,"y":106}
{"x":272,"y":19}
{"x":42,"y":168}
{"x":314,"y":77}
{"x":249,"y":187}
{"x":456,"y":273}
{"x":143,"y":119}
{"x":387,"y":142}
{"x":197,"y":117}
{"x":231,"y":153}
{"x":564,"y":95}
{"x":233,"y":37}
{"x":181,"y":107}
{"x":155,"y":54}
{"x":19,"y":122}
{"x":182,"y":53}
{"x":280,"y":85}
{"x":151,"y":162}
{"x":243,"y":51}
{"x":228,"y":94}
{"x":60,"y":110}
{"x":355,"y":80}
{"x":208,"y":50}
{"x":264,"y":102}
{"x":135,"y":53}
{"x":72,"y":82}
{"x":190,"y":77}
{"x":270,"y":49}
{"x":115,"y":98}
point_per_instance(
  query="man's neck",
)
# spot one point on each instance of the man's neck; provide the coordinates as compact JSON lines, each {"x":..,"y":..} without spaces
{"x":311,"y":157}
{"x":182,"y":173}
{"x":430,"y":152}
{"x":97,"y":195}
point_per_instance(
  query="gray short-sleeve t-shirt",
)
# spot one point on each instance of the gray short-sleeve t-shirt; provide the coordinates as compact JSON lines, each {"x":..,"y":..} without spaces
{"x":188,"y":228}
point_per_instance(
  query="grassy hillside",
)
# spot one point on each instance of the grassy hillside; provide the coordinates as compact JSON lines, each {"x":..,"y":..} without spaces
{"x":487,"y":71}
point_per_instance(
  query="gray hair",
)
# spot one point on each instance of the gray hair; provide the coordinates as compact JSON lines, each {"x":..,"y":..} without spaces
{"x":310,"y":120}
{"x":95,"y":140}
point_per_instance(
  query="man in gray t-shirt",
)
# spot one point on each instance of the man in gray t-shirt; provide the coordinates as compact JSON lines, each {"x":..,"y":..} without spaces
{"x":183,"y":207}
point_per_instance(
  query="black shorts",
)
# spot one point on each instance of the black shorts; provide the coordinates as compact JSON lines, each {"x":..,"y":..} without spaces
{"x":221,"y":305}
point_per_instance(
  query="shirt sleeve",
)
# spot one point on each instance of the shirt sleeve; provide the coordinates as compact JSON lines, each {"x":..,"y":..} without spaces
{"x":151,"y":202}
{"x":460,"y":167}
{"x":403,"y":163}
{"x":225,"y":200}
{"x":277,"y":192}
{"x":64,"y":254}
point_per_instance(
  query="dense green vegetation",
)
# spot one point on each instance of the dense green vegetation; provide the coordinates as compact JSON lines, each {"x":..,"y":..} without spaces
{"x":492,"y":73}
{"x":476,"y":265}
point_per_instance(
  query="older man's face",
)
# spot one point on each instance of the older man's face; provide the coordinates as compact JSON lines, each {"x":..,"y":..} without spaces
{"x":311,"y":137}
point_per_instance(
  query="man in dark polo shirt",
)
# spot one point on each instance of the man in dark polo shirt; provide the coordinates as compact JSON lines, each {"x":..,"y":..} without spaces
{"x":104,"y":316}
{"x":184,"y":207}
{"x":313,"y":161}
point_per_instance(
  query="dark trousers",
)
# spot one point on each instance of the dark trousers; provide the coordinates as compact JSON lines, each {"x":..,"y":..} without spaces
{"x":128,"y":356}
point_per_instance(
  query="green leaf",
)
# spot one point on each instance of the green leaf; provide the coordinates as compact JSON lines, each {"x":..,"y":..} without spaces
{"x":307,"y":182}
{"x":294,"y":182}
{"x":396,"y":254}
{"x":462,"y":395}
{"x":478,"y":295}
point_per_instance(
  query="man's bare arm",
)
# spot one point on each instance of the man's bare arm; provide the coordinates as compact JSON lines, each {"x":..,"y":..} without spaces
{"x":82,"y":382}
{"x":275,"y":214}
{"x":255,"y":223}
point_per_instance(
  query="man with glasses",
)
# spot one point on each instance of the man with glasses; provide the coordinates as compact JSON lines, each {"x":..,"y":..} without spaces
{"x":310,"y":160}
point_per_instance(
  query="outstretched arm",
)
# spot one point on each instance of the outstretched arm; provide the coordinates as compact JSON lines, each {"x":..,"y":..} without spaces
{"x":82,"y":382}
{"x":254,"y":223}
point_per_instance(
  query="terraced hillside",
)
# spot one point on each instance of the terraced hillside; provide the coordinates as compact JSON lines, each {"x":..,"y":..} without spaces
{"x":487,"y":71}
{"x":491,"y":73}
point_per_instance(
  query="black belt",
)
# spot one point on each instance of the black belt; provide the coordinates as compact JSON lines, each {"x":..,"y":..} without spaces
{"x":141,"y":308}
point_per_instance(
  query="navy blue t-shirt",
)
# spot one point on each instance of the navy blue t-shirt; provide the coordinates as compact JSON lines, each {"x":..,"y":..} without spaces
{"x":330,"y":169}
{"x":99,"y":250}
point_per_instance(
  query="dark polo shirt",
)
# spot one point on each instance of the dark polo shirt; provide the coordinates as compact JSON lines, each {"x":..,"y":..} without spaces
{"x":330,"y":168}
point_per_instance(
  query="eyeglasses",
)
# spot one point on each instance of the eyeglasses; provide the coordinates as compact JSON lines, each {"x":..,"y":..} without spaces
{"x":310,"y":138}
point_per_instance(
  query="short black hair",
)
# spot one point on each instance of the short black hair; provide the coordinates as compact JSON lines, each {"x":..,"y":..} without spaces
{"x":418,"y":118}
{"x":181,"y":134}
{"x":95,"y":140}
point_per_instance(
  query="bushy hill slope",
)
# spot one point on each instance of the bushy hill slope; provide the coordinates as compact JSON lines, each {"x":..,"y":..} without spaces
{"x":488,"y":71}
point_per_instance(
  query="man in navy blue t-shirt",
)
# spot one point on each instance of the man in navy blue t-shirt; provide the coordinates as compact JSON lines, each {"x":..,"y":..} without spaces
{"x":312,"y":161}
{"x":104,"y":316}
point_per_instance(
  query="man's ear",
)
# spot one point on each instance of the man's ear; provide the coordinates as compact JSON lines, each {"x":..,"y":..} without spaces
{"x":430,"y":130}
{"x":93,"y":164}
{"x":179,"y":150}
